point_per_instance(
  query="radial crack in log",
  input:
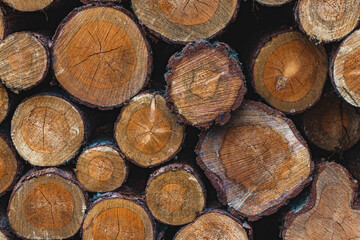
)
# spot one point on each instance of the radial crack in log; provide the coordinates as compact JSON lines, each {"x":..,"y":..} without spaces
{"x":289,"y":71}
{"x":327,"y":20}
{"x":46,"y":204}
{"x":100,"y":56}
{"x":330,"y":212}
{"x":175,"y":195}
{"x":147,"y":132}
{"x":185,"y":21}
{"x":205,"y":83}
{"x":47,"y":130}
{"x":257,"y":161}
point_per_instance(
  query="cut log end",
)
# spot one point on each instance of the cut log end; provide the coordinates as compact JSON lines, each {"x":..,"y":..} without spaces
{"x":344,"y":69}
{"x":174,"y":195}
{"x":289,"y":71}
{"x":47,"y":130}
{"x":100,"y":56}
{"x":214,"y":224}
{"x":147,"y":132}
{"x":332,"y":124}
{"x":256,"y":162}
{"x":330,"y":212}
{"x":24,"y":60}
{"x":46,"y":204}
{"x":273,"y":3}
{"x":115,"y":216}
{"x":328,"y":20}
{"x":101,"y":168}
{"x":8,"y":165}
{"x":3,"y":236}
{"x":205,"y":83}
{"x":2,"y":25}
{"x":29,"y":6}
{"x":185,"y":21}
{"x":4,"y":102}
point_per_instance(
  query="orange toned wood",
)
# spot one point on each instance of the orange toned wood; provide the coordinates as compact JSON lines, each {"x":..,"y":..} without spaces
{"x":46,"y":204}
{"x":327,"y":20}
{"x":147,"y":132}
{"x":175,"y":195}
{"x":29,"y":5}
{"x":344,"y":71}
{"x":4,"y":102}
{"x":117,"y":217}
{"x":205,"y":83}
{"x":256,"y":162}
{"x":213,"y":224}
{"x":273,"y":3}
{"x":185,"y":20}
{"x":330,"y":212}
{"x":100,"y":56}
{"x":47,"y":130}
{"x":332,"y":124}
{"x":24,"y":60}
{"x":101,"y":168}
{"x":289,"y":71}
{"x":9,"y":166}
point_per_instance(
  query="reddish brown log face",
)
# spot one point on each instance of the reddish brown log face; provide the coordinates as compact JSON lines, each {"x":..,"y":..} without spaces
{"x":256,"y":161}
{"x":329,"y":213}
{"x":8,"y":165}
{"x":101,"y":59}
{"x":4,"y":102}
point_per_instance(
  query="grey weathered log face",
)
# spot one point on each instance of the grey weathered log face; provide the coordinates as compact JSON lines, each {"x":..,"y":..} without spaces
{"x":256,"y":161}
{"x":344,"y":69}
{"x":327,"y":21}
{"x":185,"y":21}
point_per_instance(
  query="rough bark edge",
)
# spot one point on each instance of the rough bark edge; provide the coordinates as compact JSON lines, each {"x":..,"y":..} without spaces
{"x":317,"y":41}
{"x":112,"y":145}
{"x":133,"y":161}
{"x":275,"y":5}
{"x":54,"y":2}
{"x":19,"y":167}
{"x":103,"y":1}
{"x":255,"y":53}
{"x":155,"y":35}
{"x":44,"y":41}
{"x":235,"y":67}
{"x":248,"y":229}
{"x":320,"y":167}
{"x":33,"y":173}
{"x":334,"y":53}
{"x":142,"y":33}
{"x":217,"y":182}
{"x":113,"y":195}
{"x":81,"y":113}
{"x":174,"y":167}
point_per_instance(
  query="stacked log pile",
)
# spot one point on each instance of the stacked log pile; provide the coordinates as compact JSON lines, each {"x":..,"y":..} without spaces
{"x":187,"y":119}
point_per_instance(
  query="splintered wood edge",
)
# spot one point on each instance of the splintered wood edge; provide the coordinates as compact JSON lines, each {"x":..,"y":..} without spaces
{"x":6,"y":142}
{"x":117,"y":195}
{"x":65,"y":175}
{"x":17,"y":85}
{"x":313,"y":36}
{"x":72,"y":14}
{"x":255,"y":54}
{"x":310,"y":204}
{"x":112,"y":182}
{"x":234,"y":65}
{"x":46,"y":4}
{"x":273,"y":3}
{"x":244,"y":225}
{"x":218,"y":184}
{"x":340,"y":84}
{"x":328,"y":109}
{"x":18,"y":138}
{"x":183,"y":42}
{"x":170,"y":168}
{"x":129,"y":154}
